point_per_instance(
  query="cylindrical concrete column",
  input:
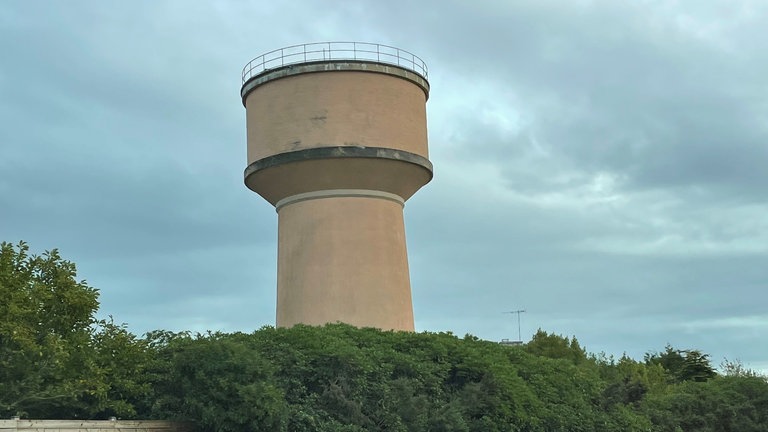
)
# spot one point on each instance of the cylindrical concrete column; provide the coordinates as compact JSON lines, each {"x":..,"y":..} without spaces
{"x":350,"y":247}
{"x":338,"y":146}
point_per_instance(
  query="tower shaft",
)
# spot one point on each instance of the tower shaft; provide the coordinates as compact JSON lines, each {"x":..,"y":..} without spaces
{"x":354,"y":267}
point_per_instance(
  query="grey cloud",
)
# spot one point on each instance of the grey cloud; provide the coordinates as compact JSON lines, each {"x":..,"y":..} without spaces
{"x":621,"y":88}
{"x":597,"y":163}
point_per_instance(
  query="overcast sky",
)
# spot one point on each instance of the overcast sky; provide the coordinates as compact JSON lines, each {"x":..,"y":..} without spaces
{"x":600,"y":164}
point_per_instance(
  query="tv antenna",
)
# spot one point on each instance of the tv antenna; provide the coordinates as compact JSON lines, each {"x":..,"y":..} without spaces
{"x":518,"y":312}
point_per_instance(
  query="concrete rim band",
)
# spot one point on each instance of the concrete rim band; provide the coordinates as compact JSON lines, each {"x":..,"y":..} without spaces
{"x":329,"y":152}
{"x":369,"y":66}
{"x":336,"y":193}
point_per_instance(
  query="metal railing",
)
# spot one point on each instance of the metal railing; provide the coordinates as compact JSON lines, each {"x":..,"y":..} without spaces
{"x":321,"y":51}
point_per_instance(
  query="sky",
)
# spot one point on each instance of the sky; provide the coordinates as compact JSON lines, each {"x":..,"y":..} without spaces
{"x":600,"y":164}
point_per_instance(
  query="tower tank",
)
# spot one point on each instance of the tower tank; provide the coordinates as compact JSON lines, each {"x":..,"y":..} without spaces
{"x":337,"y":142}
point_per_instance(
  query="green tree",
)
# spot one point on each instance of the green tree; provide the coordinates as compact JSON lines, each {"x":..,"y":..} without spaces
{"x":557,"y":347}
{"x":56,"y":359}
{"x":735,"y":368}
{"x":341,"y":378}
{"x":45,"y":320}
{"x":737,"y":404}
{"x":216,"y":382}
{"x":121,"y":362}
{"x":683,"y":365}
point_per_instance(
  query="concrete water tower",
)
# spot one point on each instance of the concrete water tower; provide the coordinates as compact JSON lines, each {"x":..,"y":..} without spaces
{"x":337,"y":142}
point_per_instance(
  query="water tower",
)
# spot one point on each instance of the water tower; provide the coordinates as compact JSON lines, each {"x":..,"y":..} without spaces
{"x":337,"y":142}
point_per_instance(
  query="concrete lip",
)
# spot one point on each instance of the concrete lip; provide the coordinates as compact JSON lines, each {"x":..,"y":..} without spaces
{"x":326,"y":168}
{"x":332,"y":66}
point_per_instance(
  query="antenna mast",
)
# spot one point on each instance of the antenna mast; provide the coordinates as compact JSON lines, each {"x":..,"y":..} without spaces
{"x":518,"y":312}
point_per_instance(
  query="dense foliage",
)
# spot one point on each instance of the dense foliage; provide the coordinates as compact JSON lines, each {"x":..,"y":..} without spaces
{"x":58,"y":361}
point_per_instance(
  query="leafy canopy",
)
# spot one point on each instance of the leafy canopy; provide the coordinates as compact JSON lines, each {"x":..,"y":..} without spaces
{"x":57,"y":360}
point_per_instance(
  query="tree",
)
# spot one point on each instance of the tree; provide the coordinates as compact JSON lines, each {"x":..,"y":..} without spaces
{"x":735,"y":368}
{"x":555,"y":346}
{"x":719,"y":404}
{"x":218,"y":383}
{"x":56,"y":359}
{"x":121,"y":361}
{"x":683,"y":365}
{"x":45,"y":319}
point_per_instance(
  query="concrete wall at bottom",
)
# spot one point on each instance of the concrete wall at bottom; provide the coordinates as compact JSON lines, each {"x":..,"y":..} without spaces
{"x":25,"y":425}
